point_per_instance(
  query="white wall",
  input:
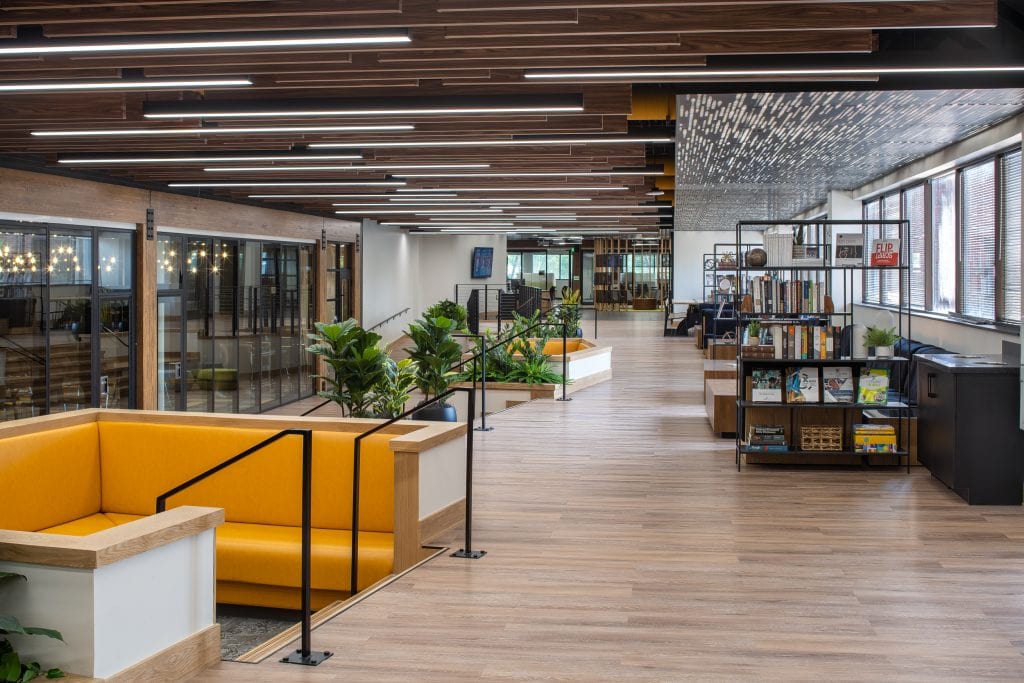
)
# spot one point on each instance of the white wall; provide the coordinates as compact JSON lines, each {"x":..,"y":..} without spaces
{"x":390,"y":278}
{"x":446,"y":260}
{"x":688,"y":257}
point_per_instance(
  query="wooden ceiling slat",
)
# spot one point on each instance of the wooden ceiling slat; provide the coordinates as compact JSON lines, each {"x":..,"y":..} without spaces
{"x":768,"y":17}
{"x":455,"y":6}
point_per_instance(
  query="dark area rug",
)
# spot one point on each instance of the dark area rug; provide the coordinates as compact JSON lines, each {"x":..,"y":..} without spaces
{"x":243,"y":628}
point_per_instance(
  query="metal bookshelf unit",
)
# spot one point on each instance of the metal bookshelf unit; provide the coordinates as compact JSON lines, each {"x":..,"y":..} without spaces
{"x":815,"y":313}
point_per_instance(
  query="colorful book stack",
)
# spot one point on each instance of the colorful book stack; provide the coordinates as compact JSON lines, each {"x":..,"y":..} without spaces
{"x":793,"y":297}
{"x":767,"y":439}
{"x":874,"y":438}
{"x":809,"y":341}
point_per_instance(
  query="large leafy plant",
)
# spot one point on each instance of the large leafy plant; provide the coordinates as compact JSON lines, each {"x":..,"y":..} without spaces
{"x":435,"y":352}
{"x":568,"y":314}
{"x":357,"y":362}
{"x":395,"y":387}
{"x":451,"y":310}
{"x":12,"y":669}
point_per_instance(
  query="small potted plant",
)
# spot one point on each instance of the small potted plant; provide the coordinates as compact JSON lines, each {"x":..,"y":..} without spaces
{"x":754,"y":333}
{"x":435,"y":352}
{"x":880,"y":341}
{"x":356,"y":361}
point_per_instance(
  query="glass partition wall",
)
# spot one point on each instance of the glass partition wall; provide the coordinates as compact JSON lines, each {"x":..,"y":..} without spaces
{"x":232,"y":318}
{"x":65,"y":319}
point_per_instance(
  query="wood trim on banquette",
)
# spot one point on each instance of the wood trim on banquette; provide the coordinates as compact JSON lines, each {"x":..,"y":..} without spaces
{"x":111,"y":545}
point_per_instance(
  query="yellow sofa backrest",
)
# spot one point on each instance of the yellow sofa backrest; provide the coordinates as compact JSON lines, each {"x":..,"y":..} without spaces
{"x":49,"y":477}
{"x":140,"y":461}
{"x":554,"y":347}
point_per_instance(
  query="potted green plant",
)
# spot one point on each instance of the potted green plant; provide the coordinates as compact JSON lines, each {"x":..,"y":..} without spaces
{"x":12,"y":669}
{"x":451,"y":310}
{"x":357,"y":363}
{"x":754,"y":332}
{"x":435,"y":352}
{"x":568,"y":313}
{"x":395,"y":387}
{"x":880,"y":341}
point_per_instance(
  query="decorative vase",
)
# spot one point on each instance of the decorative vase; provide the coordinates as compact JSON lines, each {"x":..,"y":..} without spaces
{"x":757,"y":257}
{"x":860,"y":349}
{"x":883,"y":352}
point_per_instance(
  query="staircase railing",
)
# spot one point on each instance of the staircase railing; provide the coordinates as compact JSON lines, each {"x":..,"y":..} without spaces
{"x":304,"y":655}
{"x":22,"y":351}
{"x":384,"y":322}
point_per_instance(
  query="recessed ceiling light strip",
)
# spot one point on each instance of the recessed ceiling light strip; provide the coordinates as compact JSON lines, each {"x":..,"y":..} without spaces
{"x":349,"y":183}
{"x":193,"y":43}
{"x":531,"y":174}
{"x":422,"y":213}
{"x":123,"y":84}
{"x":360,"y":167}
{"x":408,"y":111}
{"x":761,"y":73}
{"x":620,"y":140}
{"x":207,"y":159}
{"x":336,"y":196}
{"x":213,"y":130}
{"x":548,"y":188}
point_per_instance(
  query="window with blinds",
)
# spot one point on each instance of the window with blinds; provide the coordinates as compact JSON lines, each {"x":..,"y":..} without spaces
{"x":1009,"y":238}
{"x":890,"y":279}
{"x":978,"y":241}
{"x":943,"y":253}
{"x":872,"y":211}
{"x":913,"y":211}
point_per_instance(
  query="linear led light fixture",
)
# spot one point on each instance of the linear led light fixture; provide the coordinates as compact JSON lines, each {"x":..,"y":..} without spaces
{"x":477,"y":224}
{"x":208,"y":42}
{"x":538,"y":142}
{"x":125,"y":84}
{"x":214,"y":130}
{"x":208,"y":159}
{"x":367,"y":167}
{"x":348,"y":183}
{"x":855,"y":72}
{"x":331,"y":197}
{"x":426,"y":205}
{"x":378,"y":106}
{"x":423,"y":213}
{"x":531,"y":174}
{"x":549,"y":188}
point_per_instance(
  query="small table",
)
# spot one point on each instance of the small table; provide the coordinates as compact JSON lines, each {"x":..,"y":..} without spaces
{"x":720,"y":402}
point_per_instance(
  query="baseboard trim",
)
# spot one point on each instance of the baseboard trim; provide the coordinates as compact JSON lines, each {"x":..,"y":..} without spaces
{"x":179,"y":662}
{"x":589,"y":381}
{"x":437,"y":523}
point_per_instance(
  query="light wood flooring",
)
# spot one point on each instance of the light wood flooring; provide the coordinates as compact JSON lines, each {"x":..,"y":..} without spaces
{"x":623,"y":545}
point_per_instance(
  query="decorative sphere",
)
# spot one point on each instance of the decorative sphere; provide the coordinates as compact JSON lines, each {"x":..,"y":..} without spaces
{"x":757,"y":257}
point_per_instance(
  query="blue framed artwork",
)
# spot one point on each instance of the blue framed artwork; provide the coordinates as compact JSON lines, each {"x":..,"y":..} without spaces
{"x":483,"y":261}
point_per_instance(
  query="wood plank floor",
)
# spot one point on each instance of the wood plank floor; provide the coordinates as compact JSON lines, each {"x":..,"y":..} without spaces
{"x":623,"y":545}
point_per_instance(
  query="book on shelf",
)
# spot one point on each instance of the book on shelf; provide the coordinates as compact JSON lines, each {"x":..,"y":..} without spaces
{"x":766,"y":385}
{"x":874,"y":438}
{"x":771,"y":294}
{"x":849,"y":250}
{"x":873,"y":387}
{"x":802,"y":385}
{"x":885,"y":252}
{"x":767,"y":439}
{"x":837,"y":384}
{"x":810,"y":340}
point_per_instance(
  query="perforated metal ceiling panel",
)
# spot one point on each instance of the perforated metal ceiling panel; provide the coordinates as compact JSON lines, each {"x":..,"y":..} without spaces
{"x":756,"y":156}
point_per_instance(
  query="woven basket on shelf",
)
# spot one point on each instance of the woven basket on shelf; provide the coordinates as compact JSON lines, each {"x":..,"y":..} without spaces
{"x":821,"y":438}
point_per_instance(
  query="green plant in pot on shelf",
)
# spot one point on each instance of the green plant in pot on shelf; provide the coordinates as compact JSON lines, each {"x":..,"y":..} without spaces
{"x":357,"y":363}
{"x":12,"y":669}
{"x":435,"y":352}
{"x":754,"y":332}
{"x":881,"y":340}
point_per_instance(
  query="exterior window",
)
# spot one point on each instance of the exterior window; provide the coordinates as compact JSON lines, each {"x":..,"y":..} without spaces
{"x":1009,"y":232}
{"x":978,"y":241}
{"x":872,"y":211}
{"x":943,"y":261}
{"x":890,"y":279}
{"x":913,"y":211}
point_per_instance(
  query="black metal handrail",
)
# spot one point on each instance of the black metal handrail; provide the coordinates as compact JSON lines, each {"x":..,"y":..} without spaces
{"x":384,"y":322}
{"x":357,"y":469}
{"x":304,"y":655}
{"x":104,"y":328}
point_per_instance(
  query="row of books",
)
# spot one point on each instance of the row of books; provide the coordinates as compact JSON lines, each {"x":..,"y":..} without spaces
{"x":773,"y":295}
{"x":867,"y":438}
{"x":835,"y":385}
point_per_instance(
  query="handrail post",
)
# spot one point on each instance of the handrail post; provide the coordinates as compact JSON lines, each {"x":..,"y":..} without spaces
{"x":354,"y":558}
{"x":467,"y":552}
{"x":305,"y":655}
{"x":565,"y":359}
{"x":483,"y":390}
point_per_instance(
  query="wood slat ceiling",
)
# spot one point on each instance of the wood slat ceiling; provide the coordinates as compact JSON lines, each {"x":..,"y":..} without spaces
{"x":478,"y":48}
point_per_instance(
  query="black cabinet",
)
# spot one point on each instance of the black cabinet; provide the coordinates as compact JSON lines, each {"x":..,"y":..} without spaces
{"x":968,"y":430}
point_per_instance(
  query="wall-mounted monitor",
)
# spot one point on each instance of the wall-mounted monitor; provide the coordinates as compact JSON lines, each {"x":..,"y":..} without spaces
{"x":483,"y":261}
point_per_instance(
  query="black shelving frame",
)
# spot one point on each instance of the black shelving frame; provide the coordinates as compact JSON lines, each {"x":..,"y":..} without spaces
{"x":826,"y":230}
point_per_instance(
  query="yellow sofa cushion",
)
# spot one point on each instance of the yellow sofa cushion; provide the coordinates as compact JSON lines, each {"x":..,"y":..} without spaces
{"x":554,"y":347}
{"x":82,"y":527}
{"x":255,"y":595}
{"x":141,"y":461}
{"x":270,"y":555}
{"x":49,"y":477}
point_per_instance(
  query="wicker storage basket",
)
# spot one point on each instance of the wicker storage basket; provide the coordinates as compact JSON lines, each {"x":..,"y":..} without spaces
{"x":821,"y":438}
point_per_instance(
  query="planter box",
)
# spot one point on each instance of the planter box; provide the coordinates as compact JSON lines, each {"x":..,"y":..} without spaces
{"x":502,"y":395}
{"x":589,"y":364}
